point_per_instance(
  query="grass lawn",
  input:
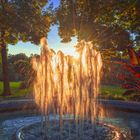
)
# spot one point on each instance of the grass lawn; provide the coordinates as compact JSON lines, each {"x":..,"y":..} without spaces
{"x":16,"y":91}
{"x":107,"y":92}
{"x":113,"y":92}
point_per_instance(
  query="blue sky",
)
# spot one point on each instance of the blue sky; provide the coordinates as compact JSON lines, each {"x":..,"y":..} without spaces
{"x":54,"y":42}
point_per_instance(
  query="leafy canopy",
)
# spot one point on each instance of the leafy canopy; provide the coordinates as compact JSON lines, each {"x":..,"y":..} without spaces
{"x":23,"y":20}
{"x":107,"y":23}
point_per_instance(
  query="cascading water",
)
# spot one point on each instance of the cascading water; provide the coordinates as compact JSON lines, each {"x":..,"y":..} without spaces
{"x":68,"y":85}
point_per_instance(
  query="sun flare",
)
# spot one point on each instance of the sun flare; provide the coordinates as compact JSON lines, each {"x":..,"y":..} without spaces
{"x":71,"y":51}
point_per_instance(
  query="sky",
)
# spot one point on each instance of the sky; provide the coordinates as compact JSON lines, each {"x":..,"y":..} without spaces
{"x":54,"y":42}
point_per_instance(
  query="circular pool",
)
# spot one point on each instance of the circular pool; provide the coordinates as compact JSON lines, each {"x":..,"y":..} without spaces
{"x":13,"y":123}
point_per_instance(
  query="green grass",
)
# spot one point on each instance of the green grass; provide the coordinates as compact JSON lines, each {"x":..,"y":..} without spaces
{"x":113,"y":92}
{"x":107,"y":92}
{"x":15,"y":90}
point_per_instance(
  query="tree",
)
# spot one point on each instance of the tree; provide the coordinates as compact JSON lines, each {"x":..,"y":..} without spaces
{"x":14,"y":74}
{"x":20,"y":20}
{"x":16,"y":57}
{"x":24,"y":69}
{"x":109,"y":24}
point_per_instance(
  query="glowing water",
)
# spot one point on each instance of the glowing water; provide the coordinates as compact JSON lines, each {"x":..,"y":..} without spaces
{"x":68,"y":85}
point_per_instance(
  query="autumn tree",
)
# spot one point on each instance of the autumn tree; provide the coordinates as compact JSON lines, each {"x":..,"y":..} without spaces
{"x":20,"y":20}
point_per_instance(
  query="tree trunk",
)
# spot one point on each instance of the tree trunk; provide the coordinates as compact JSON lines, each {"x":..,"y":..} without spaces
{"x":6,"y":84}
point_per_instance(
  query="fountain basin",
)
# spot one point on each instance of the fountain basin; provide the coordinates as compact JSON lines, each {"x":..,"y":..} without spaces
{"x":11,"y":122}
{"x":29,"y":104}
{"x":70,"y":131}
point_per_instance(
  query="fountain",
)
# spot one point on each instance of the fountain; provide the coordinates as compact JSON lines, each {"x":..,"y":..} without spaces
{"x":68,"y":84}
{"x":66,"y":91}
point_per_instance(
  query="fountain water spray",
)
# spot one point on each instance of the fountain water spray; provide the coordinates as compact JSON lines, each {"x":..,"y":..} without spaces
{"x":68,"y":85}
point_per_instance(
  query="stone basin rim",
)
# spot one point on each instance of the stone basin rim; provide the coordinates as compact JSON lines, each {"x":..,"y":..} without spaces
{"x":13,"y":105}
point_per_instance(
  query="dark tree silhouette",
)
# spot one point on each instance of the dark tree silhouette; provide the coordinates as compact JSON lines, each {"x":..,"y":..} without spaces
{"x":109,"y":24}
